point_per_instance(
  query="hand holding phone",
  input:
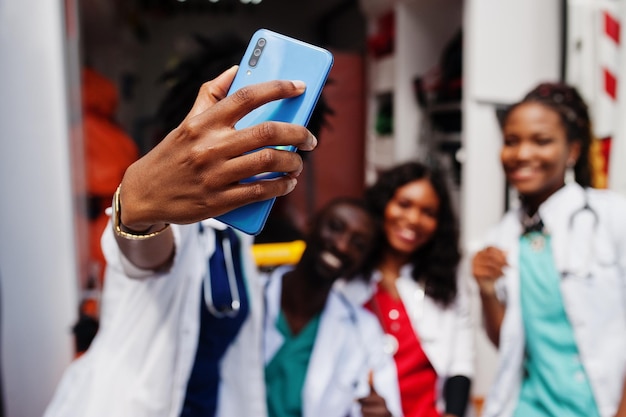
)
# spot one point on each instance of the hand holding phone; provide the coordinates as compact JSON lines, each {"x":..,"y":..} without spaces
{"x":272,"y":56}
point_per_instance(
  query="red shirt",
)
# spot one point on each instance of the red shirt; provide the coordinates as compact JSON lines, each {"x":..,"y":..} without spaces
{"x":417,"y":377}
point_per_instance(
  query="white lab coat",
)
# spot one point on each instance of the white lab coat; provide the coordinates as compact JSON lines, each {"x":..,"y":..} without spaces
{"x":445,"y":333}
{"x":139,"y":363}
{"x":595,"y":305}
{"x":349,"y":343}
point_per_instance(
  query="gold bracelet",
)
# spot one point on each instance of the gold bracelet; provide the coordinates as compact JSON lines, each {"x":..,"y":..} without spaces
{"x":117,"y":222}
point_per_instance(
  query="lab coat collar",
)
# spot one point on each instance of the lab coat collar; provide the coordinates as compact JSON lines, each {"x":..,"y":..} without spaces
{"x":556,"y":212}
{"x":560,"y":205}
{"x":337,"y":323}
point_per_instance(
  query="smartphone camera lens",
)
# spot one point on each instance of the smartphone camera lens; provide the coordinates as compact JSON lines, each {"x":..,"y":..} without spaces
{"x":256,"y":53}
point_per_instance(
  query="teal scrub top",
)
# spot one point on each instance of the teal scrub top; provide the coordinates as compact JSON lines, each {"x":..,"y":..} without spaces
{"x":555,"y":383}
{"x":286,"y":371}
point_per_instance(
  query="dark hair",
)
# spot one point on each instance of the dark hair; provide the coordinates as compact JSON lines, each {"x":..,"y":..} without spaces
{"x":314,"y":225}
{"x":214,"y":56}
{"x":574,"y":113}
{"x":435,"y":264}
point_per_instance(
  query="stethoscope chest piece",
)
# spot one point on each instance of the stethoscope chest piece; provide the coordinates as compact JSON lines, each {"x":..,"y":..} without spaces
{"x":537,"y":242}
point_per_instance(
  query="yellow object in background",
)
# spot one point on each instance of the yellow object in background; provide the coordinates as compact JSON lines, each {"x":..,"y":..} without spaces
{"x":273,"y":254}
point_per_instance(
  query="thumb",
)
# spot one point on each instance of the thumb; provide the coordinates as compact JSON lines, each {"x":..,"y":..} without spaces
{"x":370,"y":382}
{"x":213,"y":91}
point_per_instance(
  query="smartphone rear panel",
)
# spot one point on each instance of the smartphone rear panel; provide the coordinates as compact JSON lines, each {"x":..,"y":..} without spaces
{"x":272,"y":56}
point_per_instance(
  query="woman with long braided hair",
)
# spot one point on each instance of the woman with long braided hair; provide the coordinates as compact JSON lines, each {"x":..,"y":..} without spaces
{"x":552,"y":279}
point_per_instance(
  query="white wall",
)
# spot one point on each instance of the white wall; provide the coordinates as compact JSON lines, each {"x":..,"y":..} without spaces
{"x":38,"y":262}
{"x":510,"y":46}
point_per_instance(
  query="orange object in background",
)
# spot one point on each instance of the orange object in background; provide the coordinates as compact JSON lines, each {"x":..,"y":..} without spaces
{"x":109,"y":150}
{"x":600,"y":154}
{"x":478,"y":403}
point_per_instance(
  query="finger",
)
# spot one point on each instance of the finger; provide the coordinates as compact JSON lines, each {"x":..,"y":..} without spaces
{"x":370,"y":381}
{"x":248,"y":98}
{"x":370,"y":400}
{"x":261,"y":161}
{"x":267,"y":134}
{"x":480,"y":263}
{"x":488,"y":270}
{"x":230,"y":198}
{"x":243,"y":194}
{"x":212,"y":91}
{"x":497,"y":254}
{"x":484,"y":271}
{"x":488,"y":258}
{"x":373,"y":406}
{"x":492,"y":271}
{"x":501,"y":258}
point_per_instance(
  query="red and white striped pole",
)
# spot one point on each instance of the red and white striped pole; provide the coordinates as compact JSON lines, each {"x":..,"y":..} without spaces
{"x":593,"y":65}
{"x":605,"y":114}
{"x":617,"y":156}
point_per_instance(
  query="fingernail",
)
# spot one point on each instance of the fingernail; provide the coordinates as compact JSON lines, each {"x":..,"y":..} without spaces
{"x":291,"y":185}
{"x":312,"y":141}
{"x":299,"y":84}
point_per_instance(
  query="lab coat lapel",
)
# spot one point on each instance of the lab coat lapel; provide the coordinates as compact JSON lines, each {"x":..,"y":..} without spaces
{"x":425,"y":318}
{"x":326,"y":361}
{"x":556,"y":213}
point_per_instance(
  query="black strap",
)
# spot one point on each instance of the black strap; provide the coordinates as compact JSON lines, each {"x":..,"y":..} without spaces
{"x":456,"y":394}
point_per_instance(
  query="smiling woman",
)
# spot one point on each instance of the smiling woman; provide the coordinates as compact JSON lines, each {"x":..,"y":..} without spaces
{"x":412,"y":287}
{"x":414,"y":203}
{"x":543,"y":140}
{"x":563,"y":343}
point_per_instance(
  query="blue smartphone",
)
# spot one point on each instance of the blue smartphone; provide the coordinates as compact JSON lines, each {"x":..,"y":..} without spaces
{"x":273,"y":56}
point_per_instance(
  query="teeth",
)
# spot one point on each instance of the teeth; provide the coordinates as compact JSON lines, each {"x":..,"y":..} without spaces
{"x":331,"y":259}
{"x":408,"y":234}
{"x":524,"y":171}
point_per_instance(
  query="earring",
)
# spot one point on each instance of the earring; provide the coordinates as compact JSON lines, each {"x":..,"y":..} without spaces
{"x":570,"y":175}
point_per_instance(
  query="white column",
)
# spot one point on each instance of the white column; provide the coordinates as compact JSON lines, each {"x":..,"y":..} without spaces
{"x":509,"y":46}
{"x":38,"y":256}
